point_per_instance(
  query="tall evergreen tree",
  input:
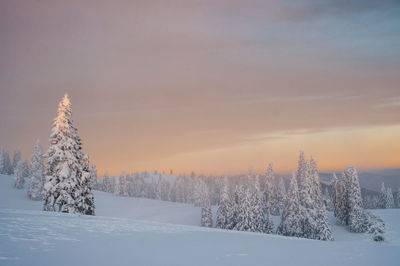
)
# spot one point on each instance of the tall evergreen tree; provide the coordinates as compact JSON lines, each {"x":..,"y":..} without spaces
{"x":244,"y":218}
{"x":16,"y":158}
{"x":19,"y":179}
{"x":35,"y":190}
{"x":281,"y":193}
{"x":356,"y":219}
{"x":335,"y":194}
{"x":235,"y":208}
{"x":224,"y":208}
{"x":269,"y":200}
{"x":67,"y":173}
{"x":291,"y":217}
{"x":206,"y":214}
{"x":258,"y":222}
{"x":314,"y":222}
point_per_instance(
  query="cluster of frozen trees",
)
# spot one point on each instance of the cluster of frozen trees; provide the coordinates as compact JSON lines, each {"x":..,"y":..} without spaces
{"x":304,"y":214}
{"x":348,"y":206}
{"x":67,"y":174}
{"x":386,"y":199}
{"x":18,"y":167}
{"x":246,"y":209}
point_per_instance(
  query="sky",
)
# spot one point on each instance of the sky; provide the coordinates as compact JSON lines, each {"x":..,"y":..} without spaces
{"x":212,"y":86}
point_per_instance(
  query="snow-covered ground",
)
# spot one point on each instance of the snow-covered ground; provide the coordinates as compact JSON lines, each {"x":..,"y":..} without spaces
{"x":132,"y":231}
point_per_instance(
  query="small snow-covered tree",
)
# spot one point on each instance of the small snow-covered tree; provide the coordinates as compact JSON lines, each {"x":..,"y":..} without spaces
{"x":327,"y":199}
{"x":397,"y":201}
{"x":35,"y":190}
{"x":291,"y":217}
{"x":16,"y":158}
{"x":224,"y":208}
{"x":159,"y":188}
{"x":386,"y":199}
{"x":93,"y":175}
{"x":389,"y":198}
{"x":5,"y":163}
{"x":269,"y":200}
{"x":206,"y":214}
{"x":19,"y":179}
{"x":382,"y":197}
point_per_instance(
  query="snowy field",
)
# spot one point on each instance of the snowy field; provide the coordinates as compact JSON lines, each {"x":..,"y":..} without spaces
{"x":132,"y":231}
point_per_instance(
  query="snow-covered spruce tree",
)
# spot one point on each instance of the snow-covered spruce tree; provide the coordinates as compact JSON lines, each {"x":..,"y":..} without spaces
{"x":323,"y":230}
{"x":335,"y":194}
{"x":35,"y":190}
{"x":258,"y":222}
{"x":66,"y":187}
{"x":93,"y":176}
{"x":19,"y":179}
{"x":224,"y":208}
{"x":389,"y":198}
{"x":281,"y":193}
{"x":386,"y":199}
{"x":382,"y":197}
{"x":159,"y":188}
{"x":291,"y":218}
{"x":314,"y":222}
{"x":5,"y":163}
{"x":244,"y":218}
{"x":206,"y":215}
{"x":16,"y":158}
{"x":356,"y":215}
{"x":342,"y":200}
{"x":327,"y":199}
{"x":269,"y":202}
{"x":233,"y":213}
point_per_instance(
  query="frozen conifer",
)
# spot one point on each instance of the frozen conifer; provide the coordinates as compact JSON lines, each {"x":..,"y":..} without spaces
{"x":5,"y":163}
{"x":258,"y":222}
{"x":67,"y":173}
{"x":206,"y":214}
{"x":233,"y":213}
{"x":35,"y":190}
{"x":290,"y":221}
{"x":389,"y":198}
{"x":16,"y":158}
{"x":93,"y":175}
{"x":19,"y":179}
{"x":314,"y":220}
{"x":224,"y":208}
{"x":357,"y":218}
{"x":244,"y":218}
{"x":269,"y":201}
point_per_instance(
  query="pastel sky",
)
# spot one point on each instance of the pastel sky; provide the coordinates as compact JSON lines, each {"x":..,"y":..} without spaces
{"x":212,"y":86}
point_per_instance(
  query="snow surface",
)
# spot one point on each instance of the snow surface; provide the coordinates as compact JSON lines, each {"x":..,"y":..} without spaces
{"x":135,"y":231}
